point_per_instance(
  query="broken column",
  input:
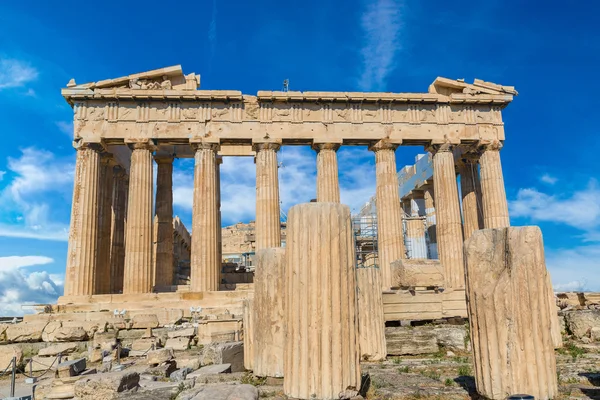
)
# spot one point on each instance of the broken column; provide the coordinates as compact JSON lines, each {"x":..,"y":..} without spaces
{"x":328,"y":186}
{"x":164,"y":215}
{"x":81,"y":255}
{"x":138,"y":246}
{"x":370,"y":314}
{"x":320,"y":303}
{"x":449,"y":223}
{"x":268,"y":223}
{"x":509,"y":313}
{"x":493,"y":194}
{"x":390,"y":238}
{"x":205,"y":265}
{"x":269,"y":335}
{"x":249,"y":335}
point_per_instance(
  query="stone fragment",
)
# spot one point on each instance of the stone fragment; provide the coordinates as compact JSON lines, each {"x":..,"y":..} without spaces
{"x":39,"y":363}
{"x":595,"y":334}
{"x":225,"y":353}
{"x":116,"y":323}
{"x":320,"y":302}
{"x":105,"y":340}
{"x":179,"y":375}
{"x":268,"y":312}
{"x":90,"y":327}
{"x":3,"y":328}
{"x":452,"y":337}
{"x":580,"y":323}
{"x":61,"y":348}
{"x":142,"y":321}
{"x":71,"y":368}
{"x":410,"y":341}
{"x":185,"y":332}
{"x":163,"y":370}
{"x":509,"y":313}
{"x":178,"y":343}
{"x":148,"y":334}
{"x":155,"y":357}
{"x":417,"y":273}
{"x":106,"y":386}
{"x":145,"y":344}
{"x":25,"y":332}
{"x":226,"y":392}
{"x":192,"y":363}
{"x":95,"y":355}
{"x":7,"y":352}
{"x":66,"y":334}
{"x":370,"y":314}
{"x":211,"y":370}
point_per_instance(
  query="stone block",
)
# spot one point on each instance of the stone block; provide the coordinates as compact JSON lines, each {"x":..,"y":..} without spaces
{"x":95,"y":355}
{"x":580,"y":323}
{"x":145,"y":344}
{"x":106,"y":386}
{"x":25,"y":332}
{"x":159,"y":356}
{"x":90,"y":327}
{"x":40,"y":363}
{"x":143,"y":321}
{"x":7,"y":352}
{"x":452,"y":337}
{"x":163,"y":370}
{"x":225,"y":353}
{"x":178,"y":343}
{"x":61,"y":348}
{"x":417,"y":273}
{"x":410,"y":341}
{"x":105,"y":340}
{"x":211,"y":370}
{"x":192,"y":363}
{"x":67,"y":334}
{"x":226,"y":392}
{"x":71,"y":368}
{"x":50,"y":329}
{"x":595,"y":334}
{"x":185,"y":332}
{"x":116,"y":323}
{"x":180,"y":374}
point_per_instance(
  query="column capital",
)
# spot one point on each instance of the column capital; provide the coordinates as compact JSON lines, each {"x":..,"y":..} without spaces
{"x":219,"y":160}
{"x":266,"y":146}
{"x":440,"y":148}
{"x":107,"y":159}
{"x":141,"y":144}
{"x":492,"y":145}
{"x":383,"y":144}
{"x":326,"y":146}
{"x":205,"y":146}
{"x":163,"y":158}
{"x":81,"y":145}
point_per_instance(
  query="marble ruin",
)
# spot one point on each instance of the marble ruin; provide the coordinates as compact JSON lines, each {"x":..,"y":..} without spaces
{"x":304,"y":302}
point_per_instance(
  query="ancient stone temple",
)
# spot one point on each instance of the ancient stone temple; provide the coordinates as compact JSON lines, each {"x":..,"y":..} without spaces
{"x":123,"y":126}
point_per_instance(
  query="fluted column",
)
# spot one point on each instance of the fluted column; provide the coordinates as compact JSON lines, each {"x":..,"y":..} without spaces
{"x":83,"y":234}
{"x":138,"y":276}
{"x":511,"y":313}
{"x":493,"y":194}
{"x":218,"y":162}
{"x":328,"y":186}
{"x":117,"y":236}
{"x":205,"y":265}
{"x":105,"y":192}
{"x":269,"y":287}
{"x":249,"y":333}
{"x":415,"y":232}
{"x":371,"y":323}
{"x":268,"y":224}
{"x":164,"y":213}
{"x":321,"y":356}
{"x":390,"y":238}
{"x":449,"y":224}
{"x":471,"y":196}
{"x":428,"y":195}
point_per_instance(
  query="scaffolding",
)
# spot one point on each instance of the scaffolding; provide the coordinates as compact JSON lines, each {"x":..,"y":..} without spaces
{"x":364,"y":226}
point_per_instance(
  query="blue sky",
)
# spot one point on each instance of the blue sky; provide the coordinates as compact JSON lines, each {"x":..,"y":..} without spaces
{"x":550,"y":51}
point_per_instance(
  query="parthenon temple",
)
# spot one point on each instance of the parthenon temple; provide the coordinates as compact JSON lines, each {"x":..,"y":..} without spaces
{"x":123,"y":125}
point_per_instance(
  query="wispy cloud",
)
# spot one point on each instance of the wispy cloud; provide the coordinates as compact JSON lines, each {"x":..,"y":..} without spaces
{"x":66,"y":128}
{"x":16,"y":73}
{"x":381,"y":24}
{"x":575,"y":268}
{"x":549,"y":179}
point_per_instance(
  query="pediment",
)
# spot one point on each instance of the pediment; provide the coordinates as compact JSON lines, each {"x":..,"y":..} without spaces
{"x":448,"y":87}
{"x":158,"y":79}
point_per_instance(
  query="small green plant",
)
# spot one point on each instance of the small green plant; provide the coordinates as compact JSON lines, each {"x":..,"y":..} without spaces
{"x":396,"y":360}
{"x":431,"y":374}
{"x":575,"y":351}
{"x":180,"y":389}
{"x":464,"y":370}
{"x":404,"y":369}
{"x":441,"y":353}
{"x":449,"y":382}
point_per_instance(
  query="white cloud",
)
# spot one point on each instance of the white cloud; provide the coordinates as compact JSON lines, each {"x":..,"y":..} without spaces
{"x":381,"y":24}
{"x":575,"y":268}
{"x":66,"y":128}
{"x":15,"y":73}
{"x":549,"y":179}
{"x":2,"y":173}
{"x":19,"y":287}
{"x":580,"y":209}
{"x":38,"y":192}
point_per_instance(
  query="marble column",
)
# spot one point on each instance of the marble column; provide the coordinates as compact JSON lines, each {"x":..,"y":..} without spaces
{"x":117,"y":237}
{"x":449,"y":224}
{"x":83,"y":233}
{"x":205,"y":266}
{"x":415,"y":232}
{"x":328,"y":186}
{"x":138,"y":276}
{"x":218,"y":163}
{"x":428,"y":195}
{"x":268,"y":224}
{"x":164,"y":215}
{"x":105,"y":193}
{"x":493,"y":194}
{"x":471,"y":196}
{"x":390,"y":238}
